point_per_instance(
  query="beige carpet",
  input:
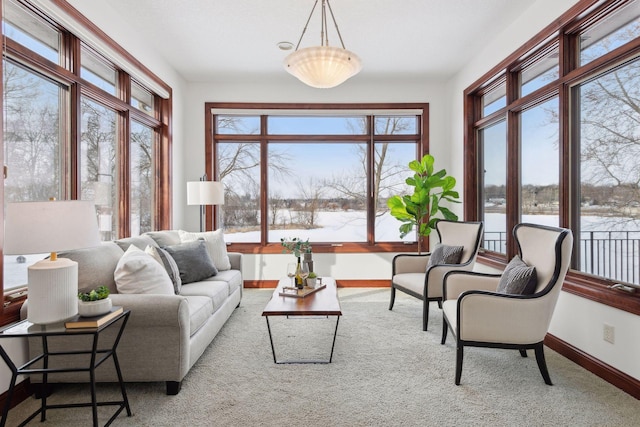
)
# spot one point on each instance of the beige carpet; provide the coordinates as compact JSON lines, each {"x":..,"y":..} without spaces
{"x":386,"y":372}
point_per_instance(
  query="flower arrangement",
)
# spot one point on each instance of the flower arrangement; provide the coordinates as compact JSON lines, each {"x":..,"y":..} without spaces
{"x":296,"y":246}
{"x":94,"y":295}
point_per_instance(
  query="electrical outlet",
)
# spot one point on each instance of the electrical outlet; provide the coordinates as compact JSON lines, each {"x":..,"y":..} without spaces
{"x":608,"y":333}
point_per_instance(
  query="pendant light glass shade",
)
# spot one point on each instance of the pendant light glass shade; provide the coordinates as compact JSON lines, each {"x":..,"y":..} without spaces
{"x":323,"y":66}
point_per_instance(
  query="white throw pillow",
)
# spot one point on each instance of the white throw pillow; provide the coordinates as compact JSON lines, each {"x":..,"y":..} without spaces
{"x":215,"y":245}
{"x":138,"y":273}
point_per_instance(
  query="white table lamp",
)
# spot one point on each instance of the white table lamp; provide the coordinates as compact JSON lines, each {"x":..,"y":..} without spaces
{"x":203,"y":193}
{"x":39,"y":227}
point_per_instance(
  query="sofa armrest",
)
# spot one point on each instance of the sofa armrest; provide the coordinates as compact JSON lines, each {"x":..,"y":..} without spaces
{"x":236,"y":261}
{"x":154,"y":310}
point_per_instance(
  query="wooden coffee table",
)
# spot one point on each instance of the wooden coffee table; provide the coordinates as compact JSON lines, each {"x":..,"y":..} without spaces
{"x":323,"y":302}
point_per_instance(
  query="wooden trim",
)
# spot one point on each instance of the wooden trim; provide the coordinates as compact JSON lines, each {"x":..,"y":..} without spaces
{"x":21,"y":392}
{"x":93,"y":28}
{"x":164,"y":168}
{"x":212,"y":138}
{"x":598,"y":290}
{"x":325,"y":248}
{"x":537,"y":40}
{"x":271,"y":284}
{"x":607,"y":372}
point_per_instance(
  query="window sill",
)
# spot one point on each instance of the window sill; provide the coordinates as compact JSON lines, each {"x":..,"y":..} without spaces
{"x":276,"y":248}
{"x":11,"y":312}
{"x":585,"y":286}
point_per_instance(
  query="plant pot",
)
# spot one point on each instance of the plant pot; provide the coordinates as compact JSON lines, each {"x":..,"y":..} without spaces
{"x":94,"y":308}
{"x":311,"y":282}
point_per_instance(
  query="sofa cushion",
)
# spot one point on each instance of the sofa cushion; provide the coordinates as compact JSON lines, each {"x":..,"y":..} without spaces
{"x":165,"y":237}
{"x":411,"y":281}
{"x":233,"y":279}
{"x":518,"y":278}
{"x":139,"y":241}
{"x":96,"y":265}
{"x":216,"y":291}
{"x":193,"y":261}
{"x":200,"y":310}
{"x":445,"y":254}
{"x":215,"y":244}
{"x":138,"y":273}
{"x":168,"y":263}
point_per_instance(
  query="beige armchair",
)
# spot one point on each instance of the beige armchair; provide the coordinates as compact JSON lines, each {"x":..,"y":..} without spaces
{"x":411,"y":275}
{"x":478,"y":316}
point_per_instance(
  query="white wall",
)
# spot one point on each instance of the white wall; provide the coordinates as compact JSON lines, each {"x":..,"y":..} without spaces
{"x":576,"y":320}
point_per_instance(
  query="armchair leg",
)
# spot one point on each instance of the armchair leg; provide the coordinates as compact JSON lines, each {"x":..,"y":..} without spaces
{"x":425,"y":314}
{"x":459,"y":354}
{"x":542,"y":364}
{"x":445,"y":329}
{"x":523,"y":352}
{"x":393,"y":297}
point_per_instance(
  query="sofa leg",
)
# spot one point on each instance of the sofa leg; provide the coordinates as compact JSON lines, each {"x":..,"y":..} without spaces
{"x":173,"y":387}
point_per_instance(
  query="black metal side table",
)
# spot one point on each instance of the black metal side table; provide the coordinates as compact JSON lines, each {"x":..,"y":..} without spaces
{"x":96,"y":356}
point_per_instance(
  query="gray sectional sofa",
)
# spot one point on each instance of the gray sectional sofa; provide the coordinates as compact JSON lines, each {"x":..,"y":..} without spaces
{"x":165,"y":334}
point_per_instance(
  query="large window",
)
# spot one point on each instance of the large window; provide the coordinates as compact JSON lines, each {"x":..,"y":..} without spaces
{"x":569,"y":125}
{"x":610,"y":173}
{"x":76,"y":126}
{"x":322,"y":174}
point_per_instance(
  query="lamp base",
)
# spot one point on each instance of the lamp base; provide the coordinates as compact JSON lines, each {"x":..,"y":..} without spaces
{"x":53,"y":291}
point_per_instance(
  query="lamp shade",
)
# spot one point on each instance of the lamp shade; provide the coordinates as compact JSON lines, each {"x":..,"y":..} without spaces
{"x":39,"y":227}
{"x":205,"y":193}
{"x":323,"y":66}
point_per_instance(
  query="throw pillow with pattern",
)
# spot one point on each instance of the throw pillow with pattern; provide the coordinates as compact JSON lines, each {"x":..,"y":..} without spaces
{"x":445,"y":254}
{"x":518,"y":278}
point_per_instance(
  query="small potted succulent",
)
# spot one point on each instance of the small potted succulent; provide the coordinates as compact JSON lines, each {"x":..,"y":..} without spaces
{"x":94,"y":302}
{"x":311,"y":279}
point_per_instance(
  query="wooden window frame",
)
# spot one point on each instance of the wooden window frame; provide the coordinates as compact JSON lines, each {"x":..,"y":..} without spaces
{"x":69,"y":75}
{"x":563,"y":31}
{"x":264,"y":247}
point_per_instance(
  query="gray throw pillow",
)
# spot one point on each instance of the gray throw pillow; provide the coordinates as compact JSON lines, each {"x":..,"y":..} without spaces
{"x":193,"y":260}
{"x":445,"y":254}
{"x":518,"y":278}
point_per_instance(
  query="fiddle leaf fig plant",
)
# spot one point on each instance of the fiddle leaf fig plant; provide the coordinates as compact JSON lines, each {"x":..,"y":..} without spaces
{"x":422,"y":208}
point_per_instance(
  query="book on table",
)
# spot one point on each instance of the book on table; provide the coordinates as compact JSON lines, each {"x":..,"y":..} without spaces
{"x":78,"y":321}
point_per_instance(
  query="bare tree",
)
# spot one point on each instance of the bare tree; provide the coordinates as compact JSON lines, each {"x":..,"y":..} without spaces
{"x":31,"y":133}
{"x":311,"y":193}
{"x":388,"y":177}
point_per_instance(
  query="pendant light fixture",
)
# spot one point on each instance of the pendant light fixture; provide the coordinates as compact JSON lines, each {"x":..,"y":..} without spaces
{"x":322,"y":66}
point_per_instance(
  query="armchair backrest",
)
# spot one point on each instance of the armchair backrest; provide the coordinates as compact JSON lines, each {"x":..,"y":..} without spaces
{"x":459,"y":233}
{"x":534,"y":243}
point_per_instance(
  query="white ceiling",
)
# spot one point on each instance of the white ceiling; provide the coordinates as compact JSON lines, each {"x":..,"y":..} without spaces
{"x":208,"y":40}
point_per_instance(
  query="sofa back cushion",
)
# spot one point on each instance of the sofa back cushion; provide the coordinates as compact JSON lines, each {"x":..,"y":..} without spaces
{"x":95,"y":265}
{"x":215,"y":245}
{"x":165,"y":237}
{"x":141,"y":242}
